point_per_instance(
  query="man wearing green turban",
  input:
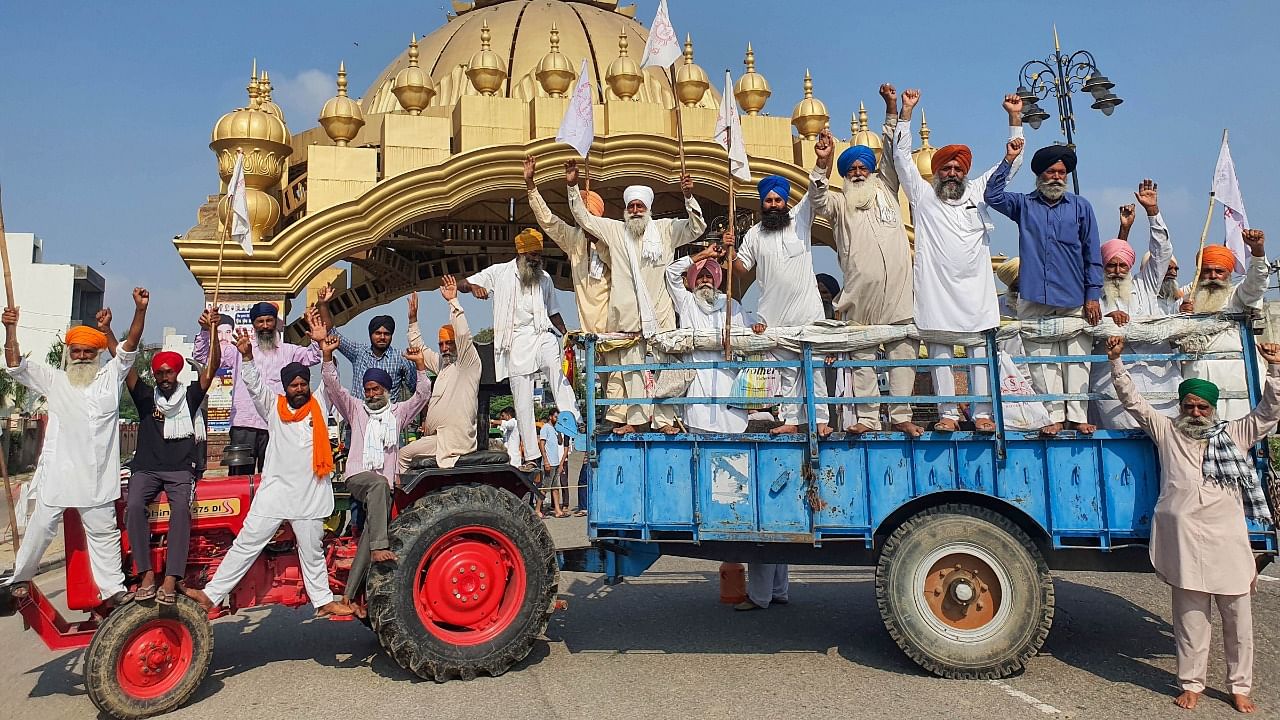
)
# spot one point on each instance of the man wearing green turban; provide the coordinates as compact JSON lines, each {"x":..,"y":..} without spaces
{"x":1199,"y":537}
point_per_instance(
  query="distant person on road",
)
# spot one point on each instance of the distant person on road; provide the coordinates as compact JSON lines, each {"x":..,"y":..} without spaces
{"x":1209,"y":486}
{"x":555,"y":464}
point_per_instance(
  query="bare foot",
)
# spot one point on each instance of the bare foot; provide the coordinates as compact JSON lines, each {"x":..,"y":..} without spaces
{"x":984,"y":425}
{"x":783,"y":429}
{"x":858,"y":428}
{"x":624,"y":429}
{"x":1051,"y":430}
{"x":1084,"y":428}
{"x":1243,"y":703}
{"x":910,"y":428}
{"x":823,"y":430}
{"x":382,"y":556}
{"x":20,"y":590}
{"x":1187,"y":700}
{"x":670,"y":430}
{"x":946,"y":425}
{"x":339,"y":608}
{"x":198,"y":595}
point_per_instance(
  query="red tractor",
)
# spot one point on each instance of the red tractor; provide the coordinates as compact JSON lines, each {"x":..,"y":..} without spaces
{"x":473,"y":587}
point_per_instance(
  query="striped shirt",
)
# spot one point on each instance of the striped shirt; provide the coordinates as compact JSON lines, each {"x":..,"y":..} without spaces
{"x":402,"y":371}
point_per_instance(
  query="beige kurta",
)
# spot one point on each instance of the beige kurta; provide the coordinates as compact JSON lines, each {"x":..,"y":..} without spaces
{"x":451,"y":412}
{"x":1228,"y":375}
{"x":1199,"y":540}
{"x":591,"y":294}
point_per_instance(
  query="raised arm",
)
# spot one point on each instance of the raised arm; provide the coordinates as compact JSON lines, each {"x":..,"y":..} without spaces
{"x":463,"y":342}
{"x":1255,"y":426}
{"x":694,"y":224}
{"x":558,"y":230}
{"x":215,"y":353}
{"x":994,"y":195}
{"x":339,"y":397}
{"x":263,"y":399}
{"x":141,"y":298}
{"x":1132,"y":400}
{"x":1248,"y":294}
{"x":1152,"y":273}
{"x":409,"y":409}
{"x":594,"y":226}
{"x":1013,"y":107}
{"x":887,"y":170}
{"x":912,"y":183}
{"x":675,"y":278}
{"x":102,"y":319}
{"x":820,"y":177}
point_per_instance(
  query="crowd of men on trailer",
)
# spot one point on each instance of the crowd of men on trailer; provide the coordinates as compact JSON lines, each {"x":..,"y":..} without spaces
{"x":626,"y":279}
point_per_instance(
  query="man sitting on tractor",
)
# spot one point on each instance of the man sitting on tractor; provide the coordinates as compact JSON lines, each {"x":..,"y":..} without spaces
{"x":84,"y":466}
{"x":296,"y":486}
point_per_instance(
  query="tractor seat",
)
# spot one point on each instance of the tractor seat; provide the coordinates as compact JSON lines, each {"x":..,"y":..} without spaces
{"x":480,"y":457}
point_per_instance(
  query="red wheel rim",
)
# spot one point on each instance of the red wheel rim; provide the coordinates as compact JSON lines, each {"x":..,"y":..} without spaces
{"x":470,"y":585}
{"x":154,"y":659}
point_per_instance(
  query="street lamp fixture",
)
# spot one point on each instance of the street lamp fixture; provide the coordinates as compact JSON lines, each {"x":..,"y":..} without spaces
{"x":1061,"y":75}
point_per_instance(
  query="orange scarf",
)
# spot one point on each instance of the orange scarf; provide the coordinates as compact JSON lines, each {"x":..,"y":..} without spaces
{"x":321,"y":453}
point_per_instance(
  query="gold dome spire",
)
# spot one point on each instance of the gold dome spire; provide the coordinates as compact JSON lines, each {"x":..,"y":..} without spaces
{"x":810,"y":114}
{"x":266,"y":104}
{"x":341,"y":117}
{"x":691,"y":80}
{"x":412,"y":87}
{"x":751,"y":90}
{"x":252,"y":87}
{"x":923,"y":157}
{"x":249,"y":123}
{"x":487,"y":70}
{"x":864,"y":135}
{"x":555,"y":73}
{"x":624,"y":76}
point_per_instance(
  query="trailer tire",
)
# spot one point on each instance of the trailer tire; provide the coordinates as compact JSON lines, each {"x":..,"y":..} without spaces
{"x":472,"y":589}
{"x":964,"y":592}
{"x":148,"y":659}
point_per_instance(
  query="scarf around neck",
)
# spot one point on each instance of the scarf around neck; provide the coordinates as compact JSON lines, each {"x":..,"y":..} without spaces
{"x":644,"y":303}
{"x":1226,"y":466}
{"x":179,"y":422}
{"x":321,"y":453}
{"x":380,"y":432}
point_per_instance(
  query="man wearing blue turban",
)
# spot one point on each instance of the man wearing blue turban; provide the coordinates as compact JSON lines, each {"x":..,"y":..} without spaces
{"x":875,"y":257}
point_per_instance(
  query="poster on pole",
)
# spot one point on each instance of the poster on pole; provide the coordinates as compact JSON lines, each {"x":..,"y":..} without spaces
{"x":232,"y":316}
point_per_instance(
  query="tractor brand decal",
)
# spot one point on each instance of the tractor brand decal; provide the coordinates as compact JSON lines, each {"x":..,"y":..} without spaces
{"x":225,"y":507}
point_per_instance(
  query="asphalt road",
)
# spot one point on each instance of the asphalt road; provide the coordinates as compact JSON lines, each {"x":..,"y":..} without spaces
{"x":661,"y":646}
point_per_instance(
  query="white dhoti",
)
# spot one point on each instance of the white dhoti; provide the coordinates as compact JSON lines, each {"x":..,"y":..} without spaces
{"x":902,"y":381}
{"x":101,"y":534}
{"x":1193,"y":631}
{"x":547,"y":361}
{"x":792,"y":387}
{"x":944,"y":381}
{"x":254,"y":536}
{"x":1058,"y":378}
{"x":768,"y":582}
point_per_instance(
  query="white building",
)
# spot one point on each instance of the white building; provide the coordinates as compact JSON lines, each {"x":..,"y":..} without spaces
{"x":52,"y":297}
{"x":178,"y":343}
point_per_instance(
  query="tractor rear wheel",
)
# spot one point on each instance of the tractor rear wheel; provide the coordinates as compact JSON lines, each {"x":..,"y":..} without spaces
{"x":148,"y":659}
{"x":473,"y":586}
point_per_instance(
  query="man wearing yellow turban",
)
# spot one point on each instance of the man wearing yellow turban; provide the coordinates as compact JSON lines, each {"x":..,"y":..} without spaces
{"x":84,"y":465}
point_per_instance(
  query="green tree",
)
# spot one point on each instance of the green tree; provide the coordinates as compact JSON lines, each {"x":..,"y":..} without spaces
{"x":484,"y":336}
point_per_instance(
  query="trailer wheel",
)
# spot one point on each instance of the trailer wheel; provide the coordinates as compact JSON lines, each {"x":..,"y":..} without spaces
{"x":472,"y":589}
{"x":964,"y":592}
{"x":148,"y":659}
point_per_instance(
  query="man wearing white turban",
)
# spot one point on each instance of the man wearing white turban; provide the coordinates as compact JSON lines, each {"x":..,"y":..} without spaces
{"x":640,"y":249}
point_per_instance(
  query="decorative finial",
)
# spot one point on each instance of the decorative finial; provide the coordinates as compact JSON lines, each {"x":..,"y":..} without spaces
{"x":1056,"y":46}
{"x":341,"y":116}
{"x":623,"y":75}
{"x":413,"y":50}
{"x":810,"y":114}
{"x":623,"y":43}
{"x":342,"y":78}
{"x":751,"y":90}
{"x":487,"y":70}
{"x":924,"y":131}
{"x":554,"y":72}
{"x":555,"y":38}
{"x":688,"y":49}
{"x":750,"y":60}
{"x":252,"y":87}
{"x":484,"y":35}
{"x":691,"y":81}
{"x":808,"y":84}
{"x":863,"y":126}
{"x":412,"y":87}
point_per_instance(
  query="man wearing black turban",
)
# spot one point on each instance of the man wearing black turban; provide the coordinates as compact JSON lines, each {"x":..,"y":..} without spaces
{"x":378,"y":353}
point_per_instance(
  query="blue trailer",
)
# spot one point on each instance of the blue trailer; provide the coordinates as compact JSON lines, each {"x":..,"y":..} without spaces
{"x":963,"y":529}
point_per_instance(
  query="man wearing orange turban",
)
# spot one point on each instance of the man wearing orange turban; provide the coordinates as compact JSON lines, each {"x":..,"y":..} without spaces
{"x":83,"y":466}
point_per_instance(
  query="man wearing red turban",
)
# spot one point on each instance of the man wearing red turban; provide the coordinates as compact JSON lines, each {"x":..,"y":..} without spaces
{"x":84,"y":465}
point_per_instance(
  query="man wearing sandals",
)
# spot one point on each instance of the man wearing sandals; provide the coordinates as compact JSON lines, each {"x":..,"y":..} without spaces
{"x":170,"y":428}
{"x":84,"y":466}
{"x":296,"y":486}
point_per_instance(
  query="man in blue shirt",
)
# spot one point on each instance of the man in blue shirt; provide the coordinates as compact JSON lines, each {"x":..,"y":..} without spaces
{"x":1060,"y":274}
{"x":378,"y":353}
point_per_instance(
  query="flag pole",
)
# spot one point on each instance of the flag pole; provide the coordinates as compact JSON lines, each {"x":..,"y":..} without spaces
{"x":1204,"y":235}
{"x":222,"y":247}
{"x":4,"y":450}
{"x":679,"y":120}
{"x":728,"y":314}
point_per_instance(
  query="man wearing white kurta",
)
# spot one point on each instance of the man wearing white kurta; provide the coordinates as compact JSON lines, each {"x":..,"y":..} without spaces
{"x":694,"y":283}
{"x":1135,"y":296}
{"x":955,"y":288}
{"x":296,"y":487}
{"x":524,"y":313}
{"x":875,"y":257}
{"x":780,"y":249}
{"x":1215,"y":293}
{"x":83,"y":470}
{"x":639,"y":250}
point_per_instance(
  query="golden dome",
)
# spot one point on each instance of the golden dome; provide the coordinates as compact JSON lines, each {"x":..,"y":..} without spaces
{"x":341,"y":117}
{"x":519,"y":30}
{"x":555,"y":72}
{"x":864,"y":135}
{"x":691,"y":81}
{"x":413,"y":88}
{"x":487,"y":70}
{"x":261,"y":136}
{"x":751,"y":90}
{"x":250,"y":122}
{"x":923,"y":157}
{"x":624,"y":76}
{"x":264,"y":98}
{"x":810,"y":114}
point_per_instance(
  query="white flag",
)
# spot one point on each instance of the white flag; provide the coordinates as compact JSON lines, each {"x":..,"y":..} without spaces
{"x":662,"y":48}
{"x":1227,"y":191}
{"x":578,"y":128}
{"x":729,"y":133}
{"x":241,"y":231}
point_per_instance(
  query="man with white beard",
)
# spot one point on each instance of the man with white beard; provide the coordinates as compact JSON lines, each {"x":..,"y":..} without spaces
{"x":524,"y":314}
{"x":270,"y":354}
{"x":640,"y":249}
{"x":955,"y":288}
{"x":694,"y":283}
{"x":449,"y":428}
{"x":875,"y":257}
{"x":1215,"y":293}
{"x":780,"y":249}
{"x":1127,"y":295}
{"x":84,"y":467}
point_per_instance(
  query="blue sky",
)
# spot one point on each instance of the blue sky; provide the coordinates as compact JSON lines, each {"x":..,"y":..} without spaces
{"x":103,"y":142}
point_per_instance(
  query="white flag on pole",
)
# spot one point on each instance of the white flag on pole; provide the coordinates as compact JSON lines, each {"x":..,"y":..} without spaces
{"x":1227,"y":191}
{"x":578,"y":128}
{"x":662,"y":48}
{"x":729,"y":133}
{"x":240,"y":229}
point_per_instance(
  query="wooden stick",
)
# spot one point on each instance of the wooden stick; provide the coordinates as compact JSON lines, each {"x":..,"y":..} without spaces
{"x":728,"y":291}
{"x":4,"y":450}
{"x":679,"y":120}
{"x":222,"y":247}
{"x":1204,"y":234}
{"x":4,"y":255}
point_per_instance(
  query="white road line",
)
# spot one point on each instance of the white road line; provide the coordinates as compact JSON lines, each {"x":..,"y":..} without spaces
{"x":1043,"y":707}
{"x":1268,"y":578}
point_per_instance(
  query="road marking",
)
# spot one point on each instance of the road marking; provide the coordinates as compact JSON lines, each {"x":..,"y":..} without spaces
{"x":1268,"y":578}
{"x":1040,"y":705}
